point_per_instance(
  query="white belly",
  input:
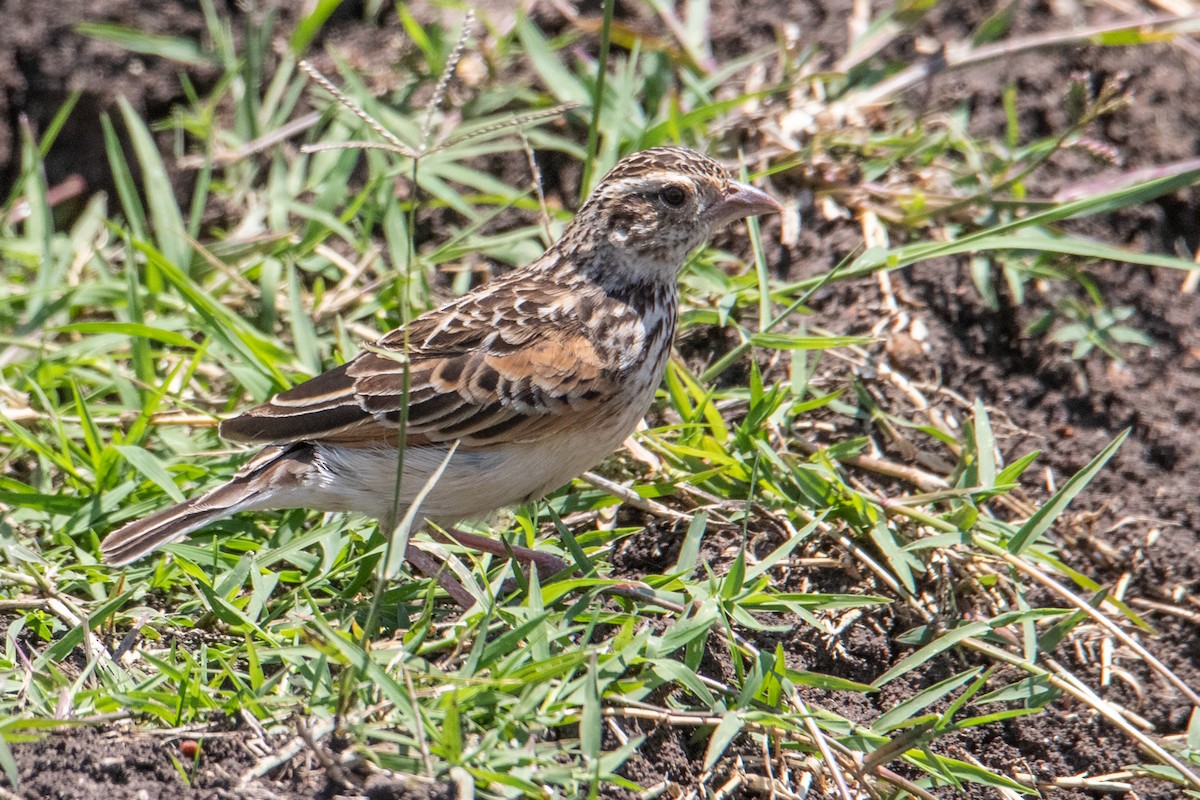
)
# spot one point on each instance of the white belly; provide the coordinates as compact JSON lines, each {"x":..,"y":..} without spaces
{"x":474,"y":482}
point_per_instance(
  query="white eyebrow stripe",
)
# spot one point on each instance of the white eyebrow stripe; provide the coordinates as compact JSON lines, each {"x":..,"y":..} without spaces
{"x":657,"y":181}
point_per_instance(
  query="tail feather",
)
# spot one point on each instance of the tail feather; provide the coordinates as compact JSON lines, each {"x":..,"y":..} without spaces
{"x":143,"y":536}
{"x":264,"y":481}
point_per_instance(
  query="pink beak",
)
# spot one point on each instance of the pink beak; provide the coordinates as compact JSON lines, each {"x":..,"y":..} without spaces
{"x":742,"y":200}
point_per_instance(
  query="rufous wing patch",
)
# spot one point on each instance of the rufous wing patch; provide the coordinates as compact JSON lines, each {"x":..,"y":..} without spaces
{"x":520,"y":387}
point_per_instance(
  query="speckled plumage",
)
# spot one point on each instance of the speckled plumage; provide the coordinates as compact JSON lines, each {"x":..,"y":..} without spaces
{"x":536,"y":376}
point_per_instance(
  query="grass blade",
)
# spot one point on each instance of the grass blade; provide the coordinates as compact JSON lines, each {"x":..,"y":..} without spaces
{"x":1045,"y":516}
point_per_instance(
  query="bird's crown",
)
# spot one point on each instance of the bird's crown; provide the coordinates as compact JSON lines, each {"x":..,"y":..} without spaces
{"x":677,"y":160}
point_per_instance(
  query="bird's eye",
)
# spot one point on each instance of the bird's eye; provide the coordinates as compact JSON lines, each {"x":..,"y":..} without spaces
{"x":674,"y":196}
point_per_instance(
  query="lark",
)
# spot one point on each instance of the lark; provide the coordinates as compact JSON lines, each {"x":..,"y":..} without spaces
{"x":514,"y":389}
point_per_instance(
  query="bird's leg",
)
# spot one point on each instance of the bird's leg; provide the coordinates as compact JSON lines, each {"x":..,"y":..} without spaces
{"x":547,"y":564}
{"x":441,"y":573}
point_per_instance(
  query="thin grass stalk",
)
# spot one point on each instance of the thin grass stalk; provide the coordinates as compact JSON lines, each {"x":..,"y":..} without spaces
{"x":402,"y":426}
{"x":439,"y":91}
{"x":1106,"y":623}
{"x":401,"y":533}
{"x":822,"y":742}
{"x":589,"y":165}
{"x":514,"y":122}
{"x":354,"y":108}
{"x":760,"y":266}
{"x":1083,"y":694}
{"x":535,"y":177}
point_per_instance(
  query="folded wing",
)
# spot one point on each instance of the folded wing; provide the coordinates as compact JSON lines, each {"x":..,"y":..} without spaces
{"x":469,"y":380}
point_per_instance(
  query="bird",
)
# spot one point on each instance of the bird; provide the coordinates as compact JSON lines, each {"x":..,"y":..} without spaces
{"x":513,"y":389}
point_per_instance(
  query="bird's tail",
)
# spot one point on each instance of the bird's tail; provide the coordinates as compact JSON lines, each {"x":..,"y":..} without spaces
{"x":266,"y":476}
{"x":145,"y":535}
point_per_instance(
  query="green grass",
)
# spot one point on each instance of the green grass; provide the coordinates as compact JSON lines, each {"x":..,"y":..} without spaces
{"x":135,"y":328}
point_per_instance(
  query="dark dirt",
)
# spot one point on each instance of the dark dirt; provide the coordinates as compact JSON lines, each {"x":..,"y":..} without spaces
{"x":1140,"y":518}
{"x":87,"y":764}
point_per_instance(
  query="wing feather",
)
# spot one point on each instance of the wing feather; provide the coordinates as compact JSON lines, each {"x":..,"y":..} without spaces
{"x":474,"y":376}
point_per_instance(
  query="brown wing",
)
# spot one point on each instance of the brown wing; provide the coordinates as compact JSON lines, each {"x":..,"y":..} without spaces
{"x":483,"y":371}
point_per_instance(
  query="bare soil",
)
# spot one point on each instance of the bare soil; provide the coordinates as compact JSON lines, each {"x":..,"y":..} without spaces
{"x":1139,"y":521}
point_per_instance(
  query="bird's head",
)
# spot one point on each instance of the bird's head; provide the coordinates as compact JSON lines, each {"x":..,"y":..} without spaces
{"x":656,"y":206}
